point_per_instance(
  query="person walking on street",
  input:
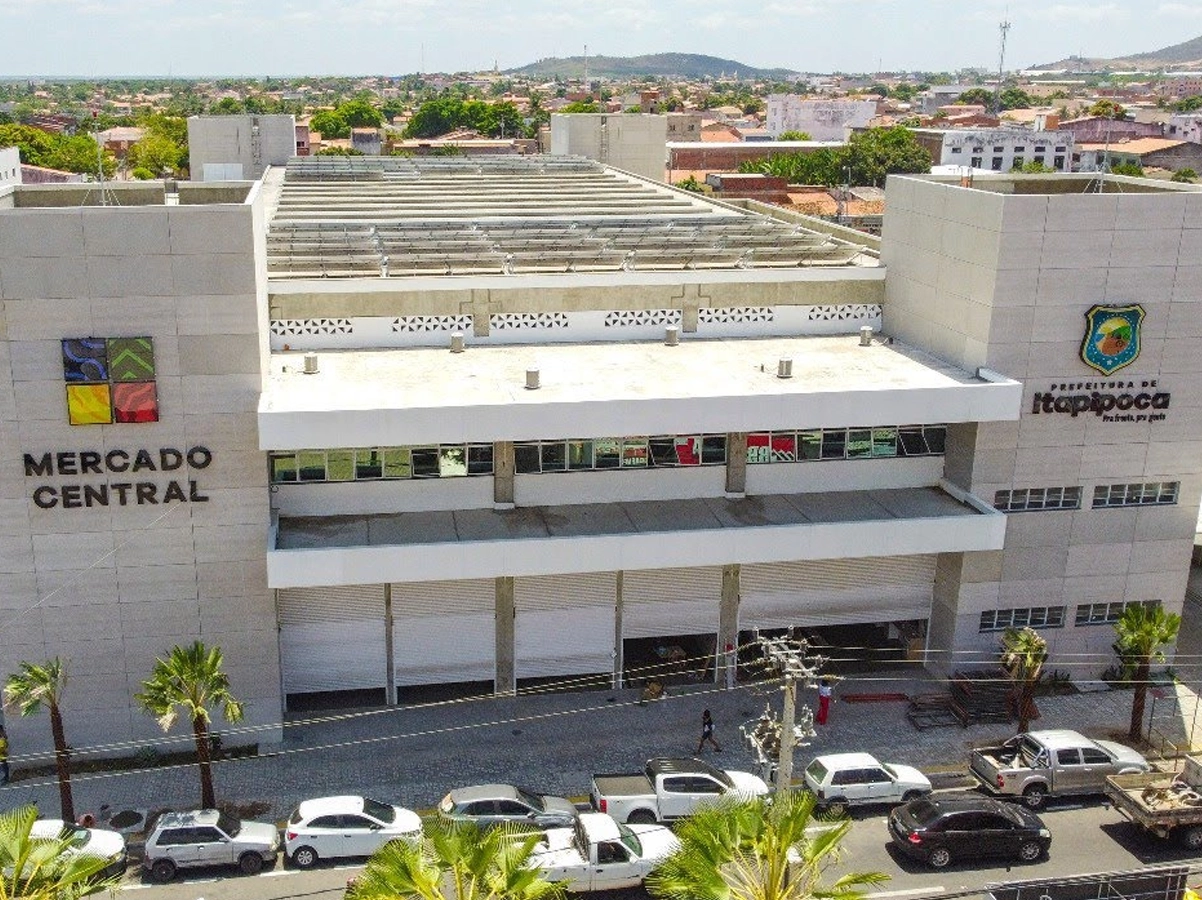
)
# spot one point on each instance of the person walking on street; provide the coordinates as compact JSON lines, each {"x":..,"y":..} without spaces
{"x":3,"y":756}
{"x":825,"y":689}
{"x":707,"y":732}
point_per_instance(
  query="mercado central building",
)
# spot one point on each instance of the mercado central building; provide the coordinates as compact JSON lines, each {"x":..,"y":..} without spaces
{"x":387,"y":429}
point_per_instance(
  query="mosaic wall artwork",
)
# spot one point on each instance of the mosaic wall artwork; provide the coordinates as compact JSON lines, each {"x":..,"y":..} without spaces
{"x":110,"y":380}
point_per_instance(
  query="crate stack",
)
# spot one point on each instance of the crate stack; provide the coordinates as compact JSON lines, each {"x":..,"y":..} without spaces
{"x":982,"y":696}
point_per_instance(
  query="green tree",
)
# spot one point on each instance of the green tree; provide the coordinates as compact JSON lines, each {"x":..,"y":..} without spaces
{"x":1134,"y":170}
{"x":329,"y":124}
{"x":580,"y":106}
{"x":29,"y":690}
{"x":977,"y":96}
{"x":691,"y":184}
{"x":758,"y":850}
{"x":1107,"y":109}
{"x":227,"y":106}
{"x":338,"y":151}
{"x":872,"y":154}
{"x":192,"y":679}
{"x":1015,"y":98}
{"x":70,"y":153}
{"x":1024,"y":652}
{"x":1033,"y":167}
{"x":1143,"y":631}
{"x":34,"y":868}
{"x":156,"y":153}
{"x":360,"y":114}
{"x":1188,"y":104}
{"x":456,"y":861}
{"x":794,"y":136}
{"x":1186,"y":176}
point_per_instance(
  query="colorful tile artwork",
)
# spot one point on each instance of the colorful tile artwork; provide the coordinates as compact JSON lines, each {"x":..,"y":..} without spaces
{"x":110,"y":380}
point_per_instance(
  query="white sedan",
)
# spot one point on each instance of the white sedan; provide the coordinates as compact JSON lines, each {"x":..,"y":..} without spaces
{"x":102,"y":843}
{"x":840,"y":780}
{"x":338,"y":827}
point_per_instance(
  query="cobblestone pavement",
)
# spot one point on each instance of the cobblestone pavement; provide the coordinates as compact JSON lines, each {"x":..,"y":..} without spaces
{"x":554,"y":742}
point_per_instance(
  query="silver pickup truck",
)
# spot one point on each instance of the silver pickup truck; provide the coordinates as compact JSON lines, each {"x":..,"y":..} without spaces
{"x":1042,"y":764}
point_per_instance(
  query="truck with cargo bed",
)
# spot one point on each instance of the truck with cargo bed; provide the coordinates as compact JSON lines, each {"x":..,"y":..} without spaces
{"x":670,"y":789}
{"x":1167,"y":804}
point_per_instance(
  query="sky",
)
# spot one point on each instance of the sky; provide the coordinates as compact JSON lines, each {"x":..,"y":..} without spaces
{"x":96,"y":38}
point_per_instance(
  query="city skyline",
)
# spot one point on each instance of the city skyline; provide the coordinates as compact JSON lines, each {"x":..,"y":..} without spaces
{"x":84,"y":38}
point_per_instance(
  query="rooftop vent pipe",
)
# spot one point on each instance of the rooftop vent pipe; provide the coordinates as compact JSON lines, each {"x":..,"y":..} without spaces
{"x":865,"y":335}
{"x":457,"y":342}
{"x":784,"y":368}
{"x":532,"y":381}
{"x":672,"y":336}
{"x":311,"y":364}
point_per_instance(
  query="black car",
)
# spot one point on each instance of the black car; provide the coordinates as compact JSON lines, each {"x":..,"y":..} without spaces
{"x":938,"y":830}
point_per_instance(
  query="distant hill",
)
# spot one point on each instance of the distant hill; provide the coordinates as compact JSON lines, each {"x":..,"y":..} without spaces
{"x":670,"y":65}
{"x":1183,"y":55}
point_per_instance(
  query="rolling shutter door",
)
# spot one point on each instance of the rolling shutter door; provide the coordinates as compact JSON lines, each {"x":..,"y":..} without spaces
{"x":564,"y":624}
{"x":332,"y":638}
{"x":444,"y":631}
{"x":663,"y":602}
{"x":836,"y":591}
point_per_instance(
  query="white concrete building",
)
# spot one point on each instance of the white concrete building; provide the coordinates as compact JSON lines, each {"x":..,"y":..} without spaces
{"x":233,"y":148}
{"x":473,"y":425}
{"x":998,"y":149}
{"x":1185,"y":127}
{"x":632,"y":142}
{"x":10,"y":166}
{"x":822,"y":120}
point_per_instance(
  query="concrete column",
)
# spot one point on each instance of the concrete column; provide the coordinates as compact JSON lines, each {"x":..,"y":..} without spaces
{"x":506,"y":682}
{"x":502,"y":474}
{"x":728,"y":626}
{"x":619,"y":660}
{"x":389,"y":656}
{"x":736,"y":464}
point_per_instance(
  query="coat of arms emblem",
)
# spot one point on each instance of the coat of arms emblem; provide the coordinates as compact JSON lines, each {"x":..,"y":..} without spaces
{"x":1111,"y":337}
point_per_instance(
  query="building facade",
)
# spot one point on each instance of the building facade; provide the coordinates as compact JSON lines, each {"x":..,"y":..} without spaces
{"x":822,"y":120}
{"x":997,"y":149}
{"x":632,"y":142}
{"x":233,"y":148}
{"x":558,"y":424}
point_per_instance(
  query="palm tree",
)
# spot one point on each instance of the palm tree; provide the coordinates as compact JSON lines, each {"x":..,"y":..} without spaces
{"x":42,"y":869}
{"x":38,"y":685}
{"x":1143,"y":630}
{"x":1023,"y":655}
{"x":758,"y":850}
{"x":191,"y":679}
{"x":457,"y":861}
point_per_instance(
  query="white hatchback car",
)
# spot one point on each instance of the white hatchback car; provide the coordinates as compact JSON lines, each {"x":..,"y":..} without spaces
{"x":102,"y":843}
{"x":336,"y":827}
{"x":840,"y":780}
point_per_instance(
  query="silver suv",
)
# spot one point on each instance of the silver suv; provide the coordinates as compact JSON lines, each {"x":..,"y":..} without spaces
{"x":207,"y":837}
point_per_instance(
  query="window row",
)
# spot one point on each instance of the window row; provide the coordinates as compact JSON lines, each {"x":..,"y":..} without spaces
{"x":1106,"y":613}
{"x":373,"y":463}
{"x":620,"y":453}
{"x":1028,"y":499}
{"x":1028,"y":616}
{"x":846,"y":443}
{"x":1152,"y":493}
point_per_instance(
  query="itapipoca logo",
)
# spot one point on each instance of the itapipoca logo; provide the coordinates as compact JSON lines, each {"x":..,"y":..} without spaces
{"x":1111,"y":337}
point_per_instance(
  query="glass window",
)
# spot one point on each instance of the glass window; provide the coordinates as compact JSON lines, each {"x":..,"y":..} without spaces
{"x":759,"y":448}
{"x":312,"y":465}
{"x":912,"y":442}
{"x":784,"y":446}
{"x":607,"y":453}
{"x":425,"y":462}
{"x":283,"y":467}
{"x":479,"y":459}
{"x":340,"y":465}
{"x":713,"y":449}
{"x":526,"y":459}
{"x":859,"y":443}
{"x":809,"y":445}
{"x":369,"y":463}
{"x":398,"y":462}
{"x":663,"y":451}
{"x":834,"y":443}
{"x":884,"y":442}
{"x":554,"y":456}
{"x":452,"y":462}
{"x":580,"y":454}
{"x":634,"y":453}
{"x":936,"y":436}
{"x":687,"y":450}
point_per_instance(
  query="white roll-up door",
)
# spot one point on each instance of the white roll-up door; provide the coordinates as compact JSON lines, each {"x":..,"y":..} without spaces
{"x":836,"y":591}
{"x":332,"y":638}
{"x":444,"y":631}
{"x":564,"y":624}
{"x":663,"y":602}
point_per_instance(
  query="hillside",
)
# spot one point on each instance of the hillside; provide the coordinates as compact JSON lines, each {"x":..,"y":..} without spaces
{"x":1183,"y":55}
{"x":669,"y":65}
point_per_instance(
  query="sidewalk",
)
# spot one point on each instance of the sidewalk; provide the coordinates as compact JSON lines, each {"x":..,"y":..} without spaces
{"x":555,"y":742}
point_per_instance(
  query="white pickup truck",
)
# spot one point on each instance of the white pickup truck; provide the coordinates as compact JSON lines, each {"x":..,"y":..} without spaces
{"x":670,"y":789}
{"x":598,"y":854}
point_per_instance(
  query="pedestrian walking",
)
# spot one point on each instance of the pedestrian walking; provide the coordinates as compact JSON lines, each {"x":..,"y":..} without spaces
{"x":3,"y":756}
{"x":825,"y":689}
{"x":707,"y":732}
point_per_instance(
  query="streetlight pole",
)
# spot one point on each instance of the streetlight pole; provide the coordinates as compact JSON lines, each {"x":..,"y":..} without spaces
{"x":784,"y":767}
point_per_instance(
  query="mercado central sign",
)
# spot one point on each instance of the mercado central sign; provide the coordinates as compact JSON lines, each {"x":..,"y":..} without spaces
{"x":132,"y":466}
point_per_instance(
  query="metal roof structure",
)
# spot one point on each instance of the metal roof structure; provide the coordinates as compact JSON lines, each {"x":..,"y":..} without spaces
{"x":362,"y":217}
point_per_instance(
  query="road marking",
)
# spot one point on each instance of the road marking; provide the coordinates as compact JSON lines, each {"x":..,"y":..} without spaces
{"x":909,"y":892}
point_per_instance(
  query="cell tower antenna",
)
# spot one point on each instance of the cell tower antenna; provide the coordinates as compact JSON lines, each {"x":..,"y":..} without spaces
{"x":586,"y":67}
{"x":1004,"y":28}
{"x":105,"y":196}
